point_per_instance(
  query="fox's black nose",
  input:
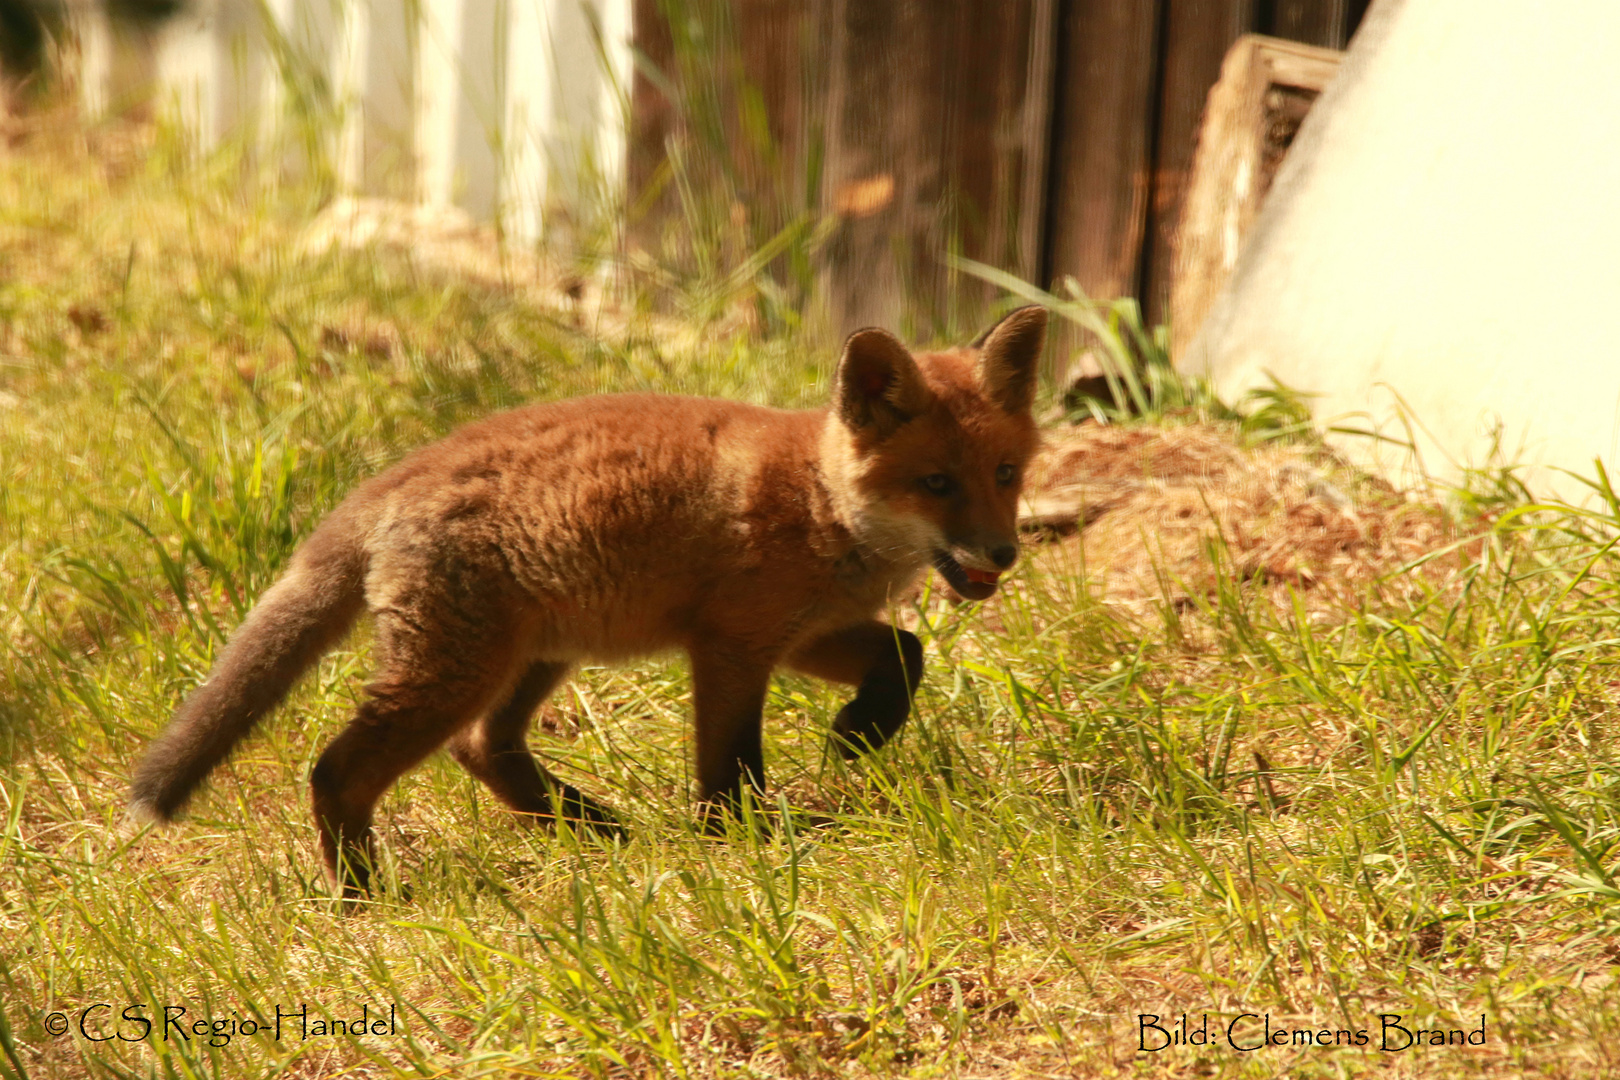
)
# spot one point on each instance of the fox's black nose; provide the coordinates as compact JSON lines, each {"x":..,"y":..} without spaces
{"x":1005,"y":555}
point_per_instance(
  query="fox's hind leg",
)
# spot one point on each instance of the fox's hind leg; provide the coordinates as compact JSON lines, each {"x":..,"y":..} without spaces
{"x":728,"y":700}
{"x":424,"y":692}
{"x":886,"y":664}
{"x":494,"y":750}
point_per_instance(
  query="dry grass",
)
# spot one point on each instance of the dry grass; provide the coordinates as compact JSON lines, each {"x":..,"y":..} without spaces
{"x":1160,"y":513}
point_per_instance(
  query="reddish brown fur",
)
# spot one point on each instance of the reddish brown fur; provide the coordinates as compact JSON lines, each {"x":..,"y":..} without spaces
{"x":608,"y":528}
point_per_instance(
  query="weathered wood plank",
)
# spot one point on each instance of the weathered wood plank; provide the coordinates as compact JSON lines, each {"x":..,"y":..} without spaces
{"x":1102,"y":137}
{"x":731,"y":97}
{"x":866,"y":149}
{"x":925,"y":155}
{"x":1196,"y":35}
{"x":1314,"y":22}
{"x":1037,"y":120}
{"x":653,"y":120}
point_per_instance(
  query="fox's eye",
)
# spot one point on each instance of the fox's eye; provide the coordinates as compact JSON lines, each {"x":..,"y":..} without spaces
{"x":1005,"y":474}
{"x":938,"y":483}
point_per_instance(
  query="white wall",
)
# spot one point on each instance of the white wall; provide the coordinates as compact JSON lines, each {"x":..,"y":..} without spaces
{"x":1446,"y":233}
{"x":502,"y":107}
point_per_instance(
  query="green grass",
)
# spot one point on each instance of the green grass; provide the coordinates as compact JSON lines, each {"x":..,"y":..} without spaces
{"x":1310,"y":814}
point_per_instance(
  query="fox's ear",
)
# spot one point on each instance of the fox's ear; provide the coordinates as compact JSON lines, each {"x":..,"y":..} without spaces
{"x":1009,"y":354}
{"x":878,"y":384}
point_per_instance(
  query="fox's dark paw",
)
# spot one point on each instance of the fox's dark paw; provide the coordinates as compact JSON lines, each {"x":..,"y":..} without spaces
{"x":866,"y":724}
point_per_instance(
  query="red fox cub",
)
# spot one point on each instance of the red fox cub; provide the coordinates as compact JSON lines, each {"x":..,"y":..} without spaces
{"x":607,"y":528}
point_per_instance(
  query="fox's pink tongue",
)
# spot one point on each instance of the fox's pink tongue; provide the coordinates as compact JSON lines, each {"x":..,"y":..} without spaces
{"x":983,"y":577}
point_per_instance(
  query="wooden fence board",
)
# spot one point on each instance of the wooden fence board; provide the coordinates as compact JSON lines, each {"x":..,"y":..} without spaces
{"x":925,"y":155}
{"x":1102,"y":144}
{"x":734,"y":94}
{"x":1314,"y":22}
{"x":652,"y":111}
{"x":1193,"y":42}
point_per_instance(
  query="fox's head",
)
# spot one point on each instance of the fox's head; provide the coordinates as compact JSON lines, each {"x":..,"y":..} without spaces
{"x":925,"y":455}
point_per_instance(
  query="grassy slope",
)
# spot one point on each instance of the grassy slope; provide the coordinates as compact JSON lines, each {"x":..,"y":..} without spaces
{"x":1076,"y":830}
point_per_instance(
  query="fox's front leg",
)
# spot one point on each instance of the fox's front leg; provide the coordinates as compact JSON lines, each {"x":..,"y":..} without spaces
{"x":728,"y":698}
{"x":885,"y":662}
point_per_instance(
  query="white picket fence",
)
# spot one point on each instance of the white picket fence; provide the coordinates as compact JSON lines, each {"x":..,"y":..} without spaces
{"x":508,"y":109}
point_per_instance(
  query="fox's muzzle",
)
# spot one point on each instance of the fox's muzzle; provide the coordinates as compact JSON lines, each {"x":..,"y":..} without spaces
{"x":970,"y":582}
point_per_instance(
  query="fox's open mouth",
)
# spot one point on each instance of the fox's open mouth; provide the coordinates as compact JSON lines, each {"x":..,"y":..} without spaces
{"x":969,"y":584}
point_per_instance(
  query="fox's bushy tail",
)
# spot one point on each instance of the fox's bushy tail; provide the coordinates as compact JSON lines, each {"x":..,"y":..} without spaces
{"x":297,"y":620}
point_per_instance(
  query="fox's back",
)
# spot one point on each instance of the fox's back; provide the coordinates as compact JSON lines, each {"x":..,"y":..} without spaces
{"x":617,"y":519}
